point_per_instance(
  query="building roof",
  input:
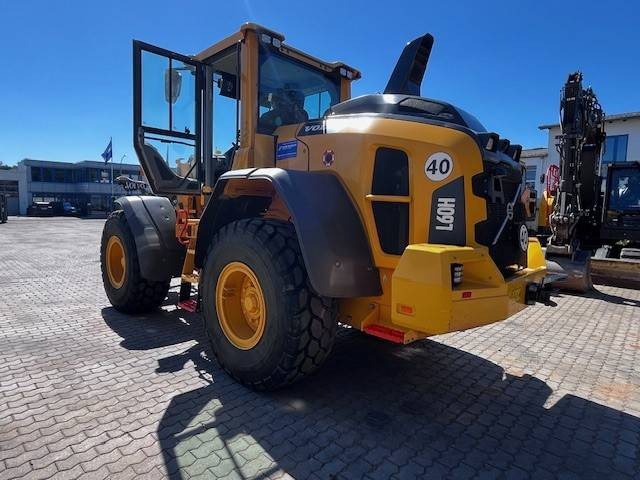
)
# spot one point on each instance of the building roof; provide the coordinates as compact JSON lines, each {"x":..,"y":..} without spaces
{"x":534,"y":152}
{"x":82,"y":164}
{"x":10,"y":174}
{"x":608,"y":118}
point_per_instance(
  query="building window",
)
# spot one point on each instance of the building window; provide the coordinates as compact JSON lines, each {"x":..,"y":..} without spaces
{"x":47,"y":175}
{"x":530,"y":176}
{"x":615,"y":149}
{"x":36,"y":174}
{"x":93,"y":175}
{"x":9,"y":187}
{"x":59,"y":175}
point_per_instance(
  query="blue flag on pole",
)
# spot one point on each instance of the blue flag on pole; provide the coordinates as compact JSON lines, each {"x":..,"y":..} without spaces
{"x":107,"y":152}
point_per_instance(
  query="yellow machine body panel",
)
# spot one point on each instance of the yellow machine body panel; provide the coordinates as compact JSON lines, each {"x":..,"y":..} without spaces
{"x":417,"y":299}
{"x":354,"y":141}
{"x":423,"y":299}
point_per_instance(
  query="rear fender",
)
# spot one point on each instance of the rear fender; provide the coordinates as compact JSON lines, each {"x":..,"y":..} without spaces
{"x":153,"y":221}
{"x":332,"y":238}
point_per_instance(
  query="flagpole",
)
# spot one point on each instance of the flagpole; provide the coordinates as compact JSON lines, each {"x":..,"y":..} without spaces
{"x":111,"y":143}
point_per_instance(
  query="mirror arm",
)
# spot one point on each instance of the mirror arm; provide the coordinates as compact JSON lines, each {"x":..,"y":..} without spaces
{"x":170,"y":93}
{"x":238,"y":71}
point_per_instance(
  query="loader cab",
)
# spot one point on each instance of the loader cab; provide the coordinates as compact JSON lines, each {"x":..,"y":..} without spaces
{"x":224,"y":108}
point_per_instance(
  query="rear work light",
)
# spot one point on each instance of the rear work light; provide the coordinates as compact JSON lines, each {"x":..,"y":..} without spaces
{"x":456,"y":274}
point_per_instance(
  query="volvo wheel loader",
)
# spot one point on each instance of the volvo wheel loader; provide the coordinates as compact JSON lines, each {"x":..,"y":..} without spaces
{"x":287,"y":207}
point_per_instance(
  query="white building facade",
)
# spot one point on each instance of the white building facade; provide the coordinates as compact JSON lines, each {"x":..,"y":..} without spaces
{"x":48,"y":181}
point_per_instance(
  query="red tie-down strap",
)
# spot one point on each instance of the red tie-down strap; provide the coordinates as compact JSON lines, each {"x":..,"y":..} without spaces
{"x":182,"y":217}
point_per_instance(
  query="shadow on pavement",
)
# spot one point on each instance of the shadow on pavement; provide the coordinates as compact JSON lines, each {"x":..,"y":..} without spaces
{"x":426,"y":410}
{"x":153,"y":330}
{"x":598,"y":294}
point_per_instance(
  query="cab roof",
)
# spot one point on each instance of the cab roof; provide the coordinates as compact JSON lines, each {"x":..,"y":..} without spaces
{"x":277,"y":40}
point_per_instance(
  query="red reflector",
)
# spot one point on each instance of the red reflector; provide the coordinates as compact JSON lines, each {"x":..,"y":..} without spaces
{"x":395,"y":336}
{"x":466,"y":294}
{"x":189,"y":305}
{"x":406,"y":309}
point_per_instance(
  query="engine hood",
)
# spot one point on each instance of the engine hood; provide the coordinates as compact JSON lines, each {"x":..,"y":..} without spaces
{"x":409,"y":105}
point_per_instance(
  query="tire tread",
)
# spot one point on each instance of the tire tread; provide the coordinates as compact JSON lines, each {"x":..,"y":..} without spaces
{"x":311,"y":334}
{"x":142,"y":295}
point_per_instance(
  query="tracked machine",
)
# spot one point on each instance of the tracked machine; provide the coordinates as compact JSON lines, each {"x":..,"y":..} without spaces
{"x":586,"y":220}
{"x":286,"y":207}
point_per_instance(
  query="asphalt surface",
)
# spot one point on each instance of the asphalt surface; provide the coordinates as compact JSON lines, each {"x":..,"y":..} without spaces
{"x":86,"y":392}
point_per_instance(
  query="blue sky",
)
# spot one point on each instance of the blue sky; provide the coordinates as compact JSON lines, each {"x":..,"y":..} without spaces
{"x":65,"y":79}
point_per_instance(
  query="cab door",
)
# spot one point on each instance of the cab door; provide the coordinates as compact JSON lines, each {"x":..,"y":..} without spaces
{"x":168,"y":93}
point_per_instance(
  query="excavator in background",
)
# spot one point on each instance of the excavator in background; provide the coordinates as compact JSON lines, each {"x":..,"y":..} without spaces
{"x":584,"y":221}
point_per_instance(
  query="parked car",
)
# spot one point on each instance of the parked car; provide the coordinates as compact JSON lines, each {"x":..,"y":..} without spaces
{"x":69,"y":209}
{"x":41,"y":209}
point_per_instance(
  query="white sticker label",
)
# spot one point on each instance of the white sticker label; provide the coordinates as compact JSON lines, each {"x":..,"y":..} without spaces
{"x":438,"y":166}
{"x":524,"y":238}
{"x":445,"y":214}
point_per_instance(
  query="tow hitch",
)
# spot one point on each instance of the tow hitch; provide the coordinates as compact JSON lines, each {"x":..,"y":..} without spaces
{"x":541,"y":292}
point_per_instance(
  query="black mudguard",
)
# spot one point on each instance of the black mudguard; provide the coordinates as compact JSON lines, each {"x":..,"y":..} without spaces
{"x":153,"y":221}
{"x":332,"y":238}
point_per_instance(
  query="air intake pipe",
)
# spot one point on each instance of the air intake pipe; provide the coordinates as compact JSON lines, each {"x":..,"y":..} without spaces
{"x":409,"y":70}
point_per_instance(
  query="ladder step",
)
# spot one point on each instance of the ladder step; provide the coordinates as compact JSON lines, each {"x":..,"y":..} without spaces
{"x":380,"y":331}
{"x":190,"y":278}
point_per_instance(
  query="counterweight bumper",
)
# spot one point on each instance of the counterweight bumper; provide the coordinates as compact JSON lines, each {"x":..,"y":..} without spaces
{"x":425,"y":300}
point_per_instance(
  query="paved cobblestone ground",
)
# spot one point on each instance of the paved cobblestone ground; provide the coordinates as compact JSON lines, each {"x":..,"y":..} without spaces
{"x":88,"y":392}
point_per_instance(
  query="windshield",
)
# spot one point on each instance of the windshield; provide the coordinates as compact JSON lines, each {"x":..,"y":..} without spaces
{"x":291,"y":92}
{"x":625,"y":189}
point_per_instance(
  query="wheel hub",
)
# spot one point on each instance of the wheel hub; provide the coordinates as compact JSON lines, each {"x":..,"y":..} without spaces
{"x":116,"y":262}
{"x":240,"y":305}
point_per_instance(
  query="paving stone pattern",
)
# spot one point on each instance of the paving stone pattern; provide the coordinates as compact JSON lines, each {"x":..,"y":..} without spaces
{"x":86,"y":392}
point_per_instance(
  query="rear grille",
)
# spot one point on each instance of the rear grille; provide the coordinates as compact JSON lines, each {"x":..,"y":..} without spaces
{"x":392,"y":225}
{"x":499,"y":185}
{"x":391,"y":178}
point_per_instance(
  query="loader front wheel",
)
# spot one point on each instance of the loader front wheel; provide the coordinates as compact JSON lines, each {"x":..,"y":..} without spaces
{"x":267,"y":326}
{"x":125,"y":287}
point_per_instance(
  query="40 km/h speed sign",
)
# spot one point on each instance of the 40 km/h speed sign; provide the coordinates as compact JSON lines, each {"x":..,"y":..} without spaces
{"x":438,"y":166}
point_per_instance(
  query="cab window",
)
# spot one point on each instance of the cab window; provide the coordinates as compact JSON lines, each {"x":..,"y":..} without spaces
{"x":291,"y":92}
{"x":625,"y":190}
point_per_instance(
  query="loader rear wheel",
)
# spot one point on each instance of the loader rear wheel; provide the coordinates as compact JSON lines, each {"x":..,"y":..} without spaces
{"x":126,"y":289}
{"x":267,"y":326}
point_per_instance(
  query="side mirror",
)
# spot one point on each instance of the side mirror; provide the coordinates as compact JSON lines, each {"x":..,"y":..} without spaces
{"x":172,"y":85}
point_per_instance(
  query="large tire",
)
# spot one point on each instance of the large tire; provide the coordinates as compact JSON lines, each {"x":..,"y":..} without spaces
{"x":128,"y":291}
{"x":299,"y":325}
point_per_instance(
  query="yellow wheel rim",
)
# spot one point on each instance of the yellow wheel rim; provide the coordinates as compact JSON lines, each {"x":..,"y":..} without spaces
{"x":240,"y":305}
{"x":116,"y":262}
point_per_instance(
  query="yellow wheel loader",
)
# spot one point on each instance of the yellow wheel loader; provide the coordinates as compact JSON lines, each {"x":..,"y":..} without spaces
{"x":287,"y":207}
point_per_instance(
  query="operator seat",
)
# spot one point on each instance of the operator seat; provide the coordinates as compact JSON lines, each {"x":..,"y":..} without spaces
{"x":168,"y":178}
